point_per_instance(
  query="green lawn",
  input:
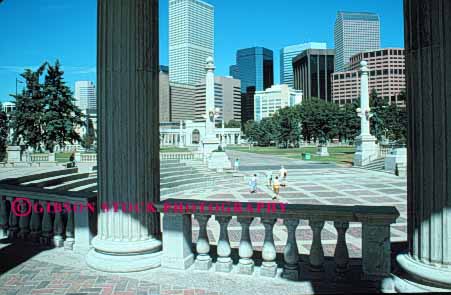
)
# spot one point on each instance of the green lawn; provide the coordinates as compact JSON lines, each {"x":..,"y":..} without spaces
{"x":341,"y":155}
{"x":173,"y":150}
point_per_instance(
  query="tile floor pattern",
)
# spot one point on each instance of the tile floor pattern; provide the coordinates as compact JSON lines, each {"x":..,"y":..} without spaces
{"x":337,"y":186}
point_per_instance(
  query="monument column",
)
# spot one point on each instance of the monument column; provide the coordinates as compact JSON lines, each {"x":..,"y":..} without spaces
{"x":366,"y":147}
{"x":128,"y":161}
{"x":428,"y":65}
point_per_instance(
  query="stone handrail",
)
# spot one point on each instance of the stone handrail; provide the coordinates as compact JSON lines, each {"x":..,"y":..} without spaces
{"x":88,"y":158}
{"x":60,"y":219}
{"x":177,"y":239}
{"x":180,"y":156}
{"x":39,"y":157}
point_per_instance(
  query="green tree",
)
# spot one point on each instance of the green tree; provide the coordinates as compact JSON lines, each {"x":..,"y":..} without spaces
{"x":90,"y":136}
{"x":287,"y":125}
{"x":61,"y":115}
{"x":26,"y":119}
{"x":233,"y":124}
{"x":3,"y":133}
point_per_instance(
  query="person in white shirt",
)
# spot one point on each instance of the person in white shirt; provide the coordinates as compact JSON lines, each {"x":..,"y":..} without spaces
{"x":283,"y":175}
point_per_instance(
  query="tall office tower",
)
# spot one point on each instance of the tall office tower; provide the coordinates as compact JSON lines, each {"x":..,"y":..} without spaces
{"x":286,"y":59}
{"x":255,"y":68}
{"x":227,"y":99}
{"x":164,"y":95}
{"x":313,"y":69}
{"x":85,"y":95}
{"x":233,"y":71}
{"x":191,"y":39}
{"x":387,"y":76}
{"x":355,"y":32}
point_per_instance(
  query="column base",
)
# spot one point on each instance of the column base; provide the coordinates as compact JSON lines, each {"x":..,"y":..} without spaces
{"x":246,"y":267}
{"x":268,"y":269}
{"x":422,"y":277}
{"x":224,"y":264}
{"x":122,"y":257}
{"x":366,"y":150}
{"x":203,"y":263}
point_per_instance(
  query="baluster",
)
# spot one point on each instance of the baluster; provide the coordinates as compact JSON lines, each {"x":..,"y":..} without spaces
{"x":3,"y":217}
{"x":203,"y":259}
{"x":269,"y":266}
{"x":246,"y":264}
{"x":70,"y":239}
{"x":58,"y":226}
{"x":35,"y":222}
{"x":224,"y":263}
{"x":46,"y":234}
{"x":341,"y":250}
{"x":13,"y":221}
{"x":291,"y":251}
{"x":316,"y":251}
{"x":24,"y":219}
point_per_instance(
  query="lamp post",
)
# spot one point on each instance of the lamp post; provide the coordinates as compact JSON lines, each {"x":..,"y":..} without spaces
{"x":17,"y":82}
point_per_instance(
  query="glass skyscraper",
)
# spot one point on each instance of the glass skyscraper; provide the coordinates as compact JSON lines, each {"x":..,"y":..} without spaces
{"x":286,"y":59}
{"x":355,"y":32}
{"x":85,"y":95}
{"x":191,"y":39}
{"x":255,"y":68}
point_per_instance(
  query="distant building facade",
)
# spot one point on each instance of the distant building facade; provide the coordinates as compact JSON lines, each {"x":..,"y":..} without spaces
{"x":313,"y":70}
{"x":191,"y":39}
{"x":286,"y":60}
{"x":355,"y":32}
{"x":182,"y":101}
{"x":387,"y":76}
{"x":8,"y":107}
{"x":85,"y":95}
{"x":227,"y":99}
{"x":164,"y":95}
{"x":267,"y":102}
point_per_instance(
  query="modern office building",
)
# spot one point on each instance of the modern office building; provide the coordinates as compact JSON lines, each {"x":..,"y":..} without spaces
{"x":85,"y":95}
{"x":182,"y":103}
{"x":355,"y":32}
{"x":387,"y":76}
{"x":233,"y":71}
{"x":247,"y":105}
{"x":267,"y":102}
{"x":191,"y":39}
{"x":254,"y":68}
{"x":227,"y":99}
{"x":286,"y":60}
{"x":312,"y":73}
{"x":164,"y":95}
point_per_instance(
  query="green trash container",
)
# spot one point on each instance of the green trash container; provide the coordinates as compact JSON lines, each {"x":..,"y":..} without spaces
{"x":307,"y":156}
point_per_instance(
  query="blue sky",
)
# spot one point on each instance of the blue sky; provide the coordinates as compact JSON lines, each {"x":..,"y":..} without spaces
{"x":34,"y":31}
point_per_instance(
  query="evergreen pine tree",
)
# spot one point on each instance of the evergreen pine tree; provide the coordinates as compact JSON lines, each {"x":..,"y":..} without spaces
{"x":61,"y":115}
{"x":90,"y":135}
{"x":26,"y":119}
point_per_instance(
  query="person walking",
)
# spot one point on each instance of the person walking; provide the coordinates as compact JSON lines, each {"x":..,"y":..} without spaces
{"x":237,"y":164}
{"x":276,"y":188}
{"x":253,"y":184}
{"x":269,"y":178}
{"x":283,"y":173}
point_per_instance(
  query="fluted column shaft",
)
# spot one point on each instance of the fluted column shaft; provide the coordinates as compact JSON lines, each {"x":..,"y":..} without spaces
{"x":128,"y":135}
{"x":428,"y":67}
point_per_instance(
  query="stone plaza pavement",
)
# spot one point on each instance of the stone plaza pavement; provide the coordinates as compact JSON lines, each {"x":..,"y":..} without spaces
{"x":31,"y":270}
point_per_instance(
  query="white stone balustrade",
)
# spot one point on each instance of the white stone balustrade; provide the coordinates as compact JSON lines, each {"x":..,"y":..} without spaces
{"x":178,"y":245}
{"x":48,"y":218}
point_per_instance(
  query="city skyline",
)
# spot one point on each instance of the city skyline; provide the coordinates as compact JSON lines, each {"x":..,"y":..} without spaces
{"x":75,"y":45}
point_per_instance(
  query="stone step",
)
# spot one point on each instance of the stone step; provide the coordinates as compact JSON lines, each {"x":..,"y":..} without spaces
{"x":180,"y":170}
{"x":195,"y":180}
{"x":56,"y":180}
{"x":184,"y":187}
{"x":173,"y":165}
{"x":74,"y":184}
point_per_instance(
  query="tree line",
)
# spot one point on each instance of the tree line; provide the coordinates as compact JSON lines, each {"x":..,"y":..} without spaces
{"x":45,"y":115}
{"x":316,"y":120}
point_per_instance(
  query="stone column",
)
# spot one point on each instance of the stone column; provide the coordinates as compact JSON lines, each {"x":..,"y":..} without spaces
{"x":428,"y":67}
{"x":128,"y":160}
{"x":366,"y":147}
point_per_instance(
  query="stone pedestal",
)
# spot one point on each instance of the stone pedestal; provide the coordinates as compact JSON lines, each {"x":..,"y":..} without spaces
{"x":208,"y":146}
{"x":322,"y":151}
{"x":13,"y":154}
{"x":396,"y":162}
{"x":219,"y":161}
{"x":427,"y":264}
{"x":128,"y":156}
{"x":366,"y":150}
{"x":177,"y":241}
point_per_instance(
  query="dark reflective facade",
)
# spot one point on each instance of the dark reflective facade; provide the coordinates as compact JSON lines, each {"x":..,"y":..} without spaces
{"x":313,"y":70}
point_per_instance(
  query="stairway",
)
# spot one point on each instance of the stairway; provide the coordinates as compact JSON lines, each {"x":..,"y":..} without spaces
{"x":376,"y":165}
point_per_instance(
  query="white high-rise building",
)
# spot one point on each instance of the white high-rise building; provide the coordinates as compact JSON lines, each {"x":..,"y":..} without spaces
{"x":267,"y":102}
{"x":191,"y":39}
{"x":85,"y":95}
{"x":355,"y":32}
{"x":286,"y":59}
